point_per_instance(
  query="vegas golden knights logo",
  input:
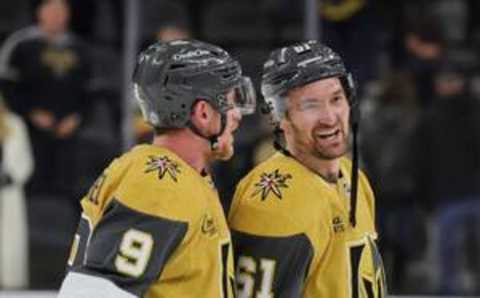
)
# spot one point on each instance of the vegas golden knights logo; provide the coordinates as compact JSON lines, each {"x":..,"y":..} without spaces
{"x":271,"y":183}
{"x":163,"y":165}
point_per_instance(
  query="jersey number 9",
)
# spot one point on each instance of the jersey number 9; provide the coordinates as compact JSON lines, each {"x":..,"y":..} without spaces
{"x":134,"y":253}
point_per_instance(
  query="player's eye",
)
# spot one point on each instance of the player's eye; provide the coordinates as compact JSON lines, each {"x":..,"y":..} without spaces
{"x":309,"y":105}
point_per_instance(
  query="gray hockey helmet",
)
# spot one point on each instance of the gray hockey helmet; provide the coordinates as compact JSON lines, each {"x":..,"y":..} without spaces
{"x":298,"y":65}
{"x":170,"y":77}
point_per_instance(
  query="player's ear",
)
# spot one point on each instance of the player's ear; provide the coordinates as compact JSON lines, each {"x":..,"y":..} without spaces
{"x":285,"y":125}
{"x":202,"y":113}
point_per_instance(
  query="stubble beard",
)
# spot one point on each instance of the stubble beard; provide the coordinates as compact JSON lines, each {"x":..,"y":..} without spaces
{"x":321,"y":152}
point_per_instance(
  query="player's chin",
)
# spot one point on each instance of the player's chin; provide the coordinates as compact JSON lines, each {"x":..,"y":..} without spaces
{"x":332,"y":152}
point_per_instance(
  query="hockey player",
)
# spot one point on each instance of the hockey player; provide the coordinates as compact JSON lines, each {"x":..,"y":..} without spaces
{"x":152,"y":225}
{"x":302,"y":224}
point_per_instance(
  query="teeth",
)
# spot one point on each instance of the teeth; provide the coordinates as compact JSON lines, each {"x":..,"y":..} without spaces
{"x":325,"y":136}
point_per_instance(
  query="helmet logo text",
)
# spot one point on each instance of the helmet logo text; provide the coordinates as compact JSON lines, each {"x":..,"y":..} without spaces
{"x":190,"y":54}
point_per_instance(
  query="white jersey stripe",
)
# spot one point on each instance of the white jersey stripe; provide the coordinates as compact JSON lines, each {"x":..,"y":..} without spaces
{"x":78,"y":285}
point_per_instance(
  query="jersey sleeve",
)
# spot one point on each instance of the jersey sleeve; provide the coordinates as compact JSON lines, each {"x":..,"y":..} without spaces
{"x":272,"y":253}
{"x":126,"y":251}
{"x":272,"y":266}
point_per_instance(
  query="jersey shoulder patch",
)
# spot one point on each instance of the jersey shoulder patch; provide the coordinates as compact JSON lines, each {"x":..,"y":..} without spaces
{"x":264,"y":199}
{"x":268,"y":181}
{"x":279,"y":196}
{"x":159,"y":183}
{"x":278,"y":182}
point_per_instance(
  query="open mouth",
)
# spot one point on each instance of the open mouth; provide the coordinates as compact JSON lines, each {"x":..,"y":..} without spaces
{"x":330,"y":135}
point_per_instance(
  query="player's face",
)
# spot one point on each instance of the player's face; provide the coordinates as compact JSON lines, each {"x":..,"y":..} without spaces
{"x":225,"y":148}
{"x":317,"y":121}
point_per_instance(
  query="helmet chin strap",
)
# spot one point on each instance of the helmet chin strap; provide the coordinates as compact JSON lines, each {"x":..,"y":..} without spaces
{"x":213,"y":139}
{"x":354,"y":177}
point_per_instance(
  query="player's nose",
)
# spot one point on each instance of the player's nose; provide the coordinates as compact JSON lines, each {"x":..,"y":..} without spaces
{"x":327,"y":116}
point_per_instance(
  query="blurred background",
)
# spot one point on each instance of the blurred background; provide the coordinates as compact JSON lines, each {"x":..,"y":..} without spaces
{"x":66,"y":111}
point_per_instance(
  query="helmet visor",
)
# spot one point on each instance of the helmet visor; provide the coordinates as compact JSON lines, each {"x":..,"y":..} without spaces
{"x":243,"y":96}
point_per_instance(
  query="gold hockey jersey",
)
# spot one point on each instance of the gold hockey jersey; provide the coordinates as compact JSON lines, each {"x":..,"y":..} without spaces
{"x":292,"y":236}
{"x":151,"y":227}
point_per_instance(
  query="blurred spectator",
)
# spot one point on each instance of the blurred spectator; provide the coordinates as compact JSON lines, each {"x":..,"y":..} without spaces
{"x":95,"y":21}
{"x":424,"y":47}
{"x":172,"y":31}
{"x":49,"y":70}
{"x":453,"y":16}
{"x":352,"y":27}
{"x":163,"y":20}
{"x":90,"y":17}
{"x":447,"y":170}
{"x":160,"y":20}
{"x":416,"y":42}
{"x":386,"y":128}
{"x":16,"y":165}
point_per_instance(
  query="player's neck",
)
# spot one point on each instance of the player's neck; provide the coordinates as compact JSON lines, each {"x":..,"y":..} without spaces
{"x":189,"y":147}
{"x":329,"y":170}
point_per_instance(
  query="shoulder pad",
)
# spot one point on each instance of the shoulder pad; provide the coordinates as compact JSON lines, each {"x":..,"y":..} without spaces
{"x":160,"y":184}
